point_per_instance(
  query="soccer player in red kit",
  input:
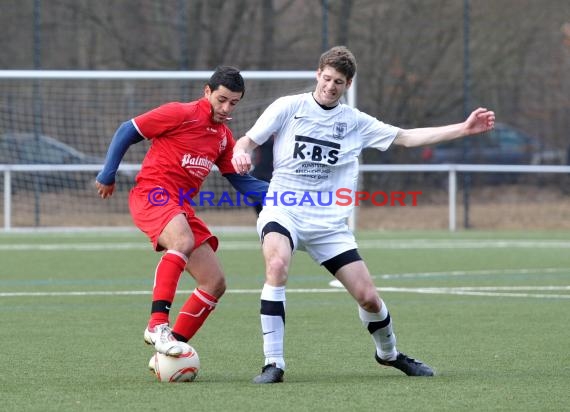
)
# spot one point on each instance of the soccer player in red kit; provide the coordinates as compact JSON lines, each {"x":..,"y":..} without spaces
{"x":187,"y":140}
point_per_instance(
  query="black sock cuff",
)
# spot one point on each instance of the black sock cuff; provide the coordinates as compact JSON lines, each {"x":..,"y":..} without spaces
{"x":179,"y":337}
{"x":374,"y":326}
{"x":160,"y":306}
{"x":272,"y":308}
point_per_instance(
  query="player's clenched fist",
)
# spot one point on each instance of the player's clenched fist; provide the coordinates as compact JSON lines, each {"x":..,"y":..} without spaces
{"x":241,"y":162}
{"x":104,"y":191}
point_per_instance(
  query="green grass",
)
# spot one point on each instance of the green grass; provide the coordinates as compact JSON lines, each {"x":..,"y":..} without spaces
{"x":498,"y":349}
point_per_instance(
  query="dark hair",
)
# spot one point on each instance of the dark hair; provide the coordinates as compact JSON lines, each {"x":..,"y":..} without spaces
{"x":341,"y":59}
{"x":229,"y":77}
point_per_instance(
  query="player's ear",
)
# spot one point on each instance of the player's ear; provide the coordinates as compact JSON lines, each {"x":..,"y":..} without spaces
{"x":207,"y":91}
{"x":319,"y":71}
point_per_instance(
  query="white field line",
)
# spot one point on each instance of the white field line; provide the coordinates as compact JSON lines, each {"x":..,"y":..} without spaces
{"x":148,"y":292}
{"x":460,"y":291}
{"x":254,"y":245}
{"x":482,"y":272}
{"x":499,"y":291}
{"x":336,"y":286}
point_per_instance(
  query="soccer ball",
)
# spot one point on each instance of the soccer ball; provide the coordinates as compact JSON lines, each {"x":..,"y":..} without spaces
{"x":183,"y":368}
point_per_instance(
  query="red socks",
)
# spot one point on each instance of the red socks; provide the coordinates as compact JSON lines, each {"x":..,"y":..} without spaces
{"x":193,"y":314}
{"x":194,"y":311}
{"x":166,"y":278}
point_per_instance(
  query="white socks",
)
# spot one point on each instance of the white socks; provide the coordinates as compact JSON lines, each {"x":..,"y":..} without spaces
{"x":380,"y":327}
{"x":273,"y":324}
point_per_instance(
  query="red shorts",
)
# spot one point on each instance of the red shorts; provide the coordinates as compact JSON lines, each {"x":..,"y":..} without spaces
{"x":151,"y":213}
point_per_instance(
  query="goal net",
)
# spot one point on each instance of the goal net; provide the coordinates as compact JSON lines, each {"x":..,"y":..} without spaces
{"x":55,"y":127}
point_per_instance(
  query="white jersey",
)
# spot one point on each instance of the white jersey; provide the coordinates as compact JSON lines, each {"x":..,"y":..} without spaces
{"x":315,"y":154}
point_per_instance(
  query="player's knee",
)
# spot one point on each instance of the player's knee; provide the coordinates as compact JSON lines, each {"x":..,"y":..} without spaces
{"x":368,"y":300}
{"x":277,"y":269}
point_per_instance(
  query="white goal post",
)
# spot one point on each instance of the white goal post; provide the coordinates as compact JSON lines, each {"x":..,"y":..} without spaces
{"x":55,"y":126}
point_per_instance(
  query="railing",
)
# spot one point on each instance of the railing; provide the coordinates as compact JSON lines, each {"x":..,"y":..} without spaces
{"x":453,"y":169}
{"x":450,"y":169}
{"x":8,"y":169}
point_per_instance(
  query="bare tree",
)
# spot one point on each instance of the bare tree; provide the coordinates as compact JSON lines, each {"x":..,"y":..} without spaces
{"x":410,"y":52}
{"x":343,"y":19}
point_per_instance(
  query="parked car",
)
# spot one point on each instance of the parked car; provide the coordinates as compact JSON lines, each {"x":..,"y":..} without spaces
{"x":26,"y":148}
{"x":503,"y":145}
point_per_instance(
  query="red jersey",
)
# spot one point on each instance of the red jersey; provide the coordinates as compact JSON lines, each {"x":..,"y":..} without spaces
{"x":185,"y":144}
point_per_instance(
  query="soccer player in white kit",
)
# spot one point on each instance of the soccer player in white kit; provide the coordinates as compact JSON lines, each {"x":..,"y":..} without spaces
{"x":317,"y":143}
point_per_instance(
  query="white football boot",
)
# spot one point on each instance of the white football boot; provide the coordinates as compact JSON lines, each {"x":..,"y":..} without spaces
{"x":163,"y":341}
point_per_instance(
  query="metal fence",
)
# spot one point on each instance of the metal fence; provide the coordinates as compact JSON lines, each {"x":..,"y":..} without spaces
{"x":77,"y":199}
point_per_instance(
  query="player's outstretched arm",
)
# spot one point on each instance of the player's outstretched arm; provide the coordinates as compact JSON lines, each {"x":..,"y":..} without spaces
{"x":252,"y":187}
{"x":124,"y":137}
{"x":241,"y":159}
{"x":479,"y":121}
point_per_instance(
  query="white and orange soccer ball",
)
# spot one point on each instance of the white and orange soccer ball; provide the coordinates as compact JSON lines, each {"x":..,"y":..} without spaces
{"x":183,"y":368}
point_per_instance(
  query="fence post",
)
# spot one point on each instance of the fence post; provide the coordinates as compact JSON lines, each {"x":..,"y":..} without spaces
{"x":7,"y":199}
{"x":452,"y":197}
